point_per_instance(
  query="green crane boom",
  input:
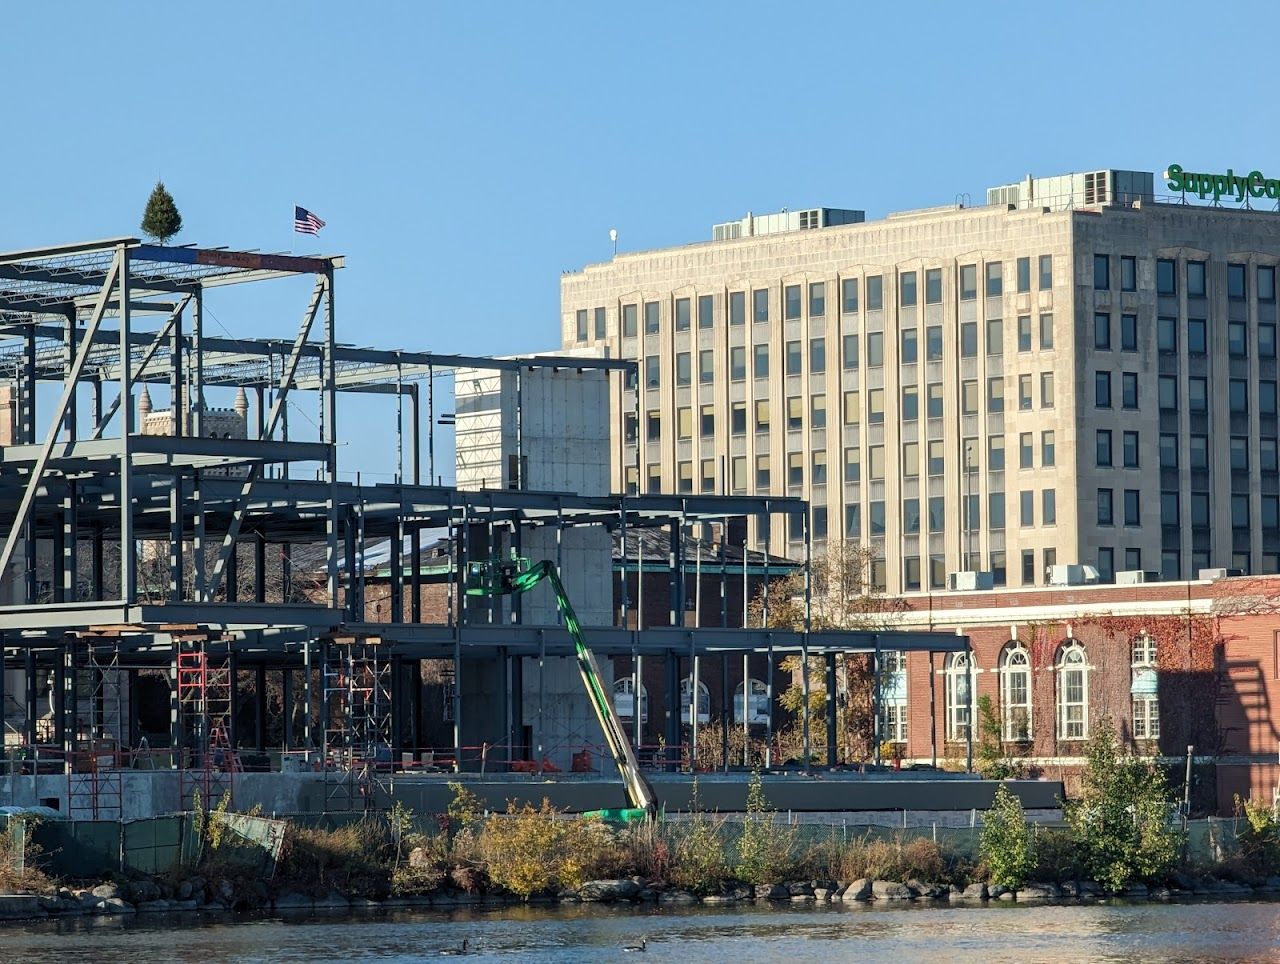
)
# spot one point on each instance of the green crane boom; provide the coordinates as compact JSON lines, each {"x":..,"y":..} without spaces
{"x":498,"y":578}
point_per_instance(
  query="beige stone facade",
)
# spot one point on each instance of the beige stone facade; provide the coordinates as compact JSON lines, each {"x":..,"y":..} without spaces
{"x":863,"y":366}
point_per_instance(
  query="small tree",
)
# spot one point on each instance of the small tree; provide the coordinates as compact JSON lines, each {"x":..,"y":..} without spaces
{"x":1120,"y":822}
{"x":161,"y":219}
{"x":1007,"y":843}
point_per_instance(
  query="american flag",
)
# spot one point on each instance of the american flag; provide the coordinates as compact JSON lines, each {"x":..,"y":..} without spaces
{"x":304,"y":222}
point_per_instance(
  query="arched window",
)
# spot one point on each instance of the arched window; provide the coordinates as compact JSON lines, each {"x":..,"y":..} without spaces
{"x":704,"y":701}
{"x":759,"y":703}
{"x":1073,"y":692}
{"x":624,"y":704}
{"x":1144,"y":690}
{"x":1015,"y":691}
{"x":959,"y":674}
{"x":893,"y":696}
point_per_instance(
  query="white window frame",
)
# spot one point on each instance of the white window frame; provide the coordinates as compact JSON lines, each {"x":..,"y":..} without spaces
{"x":759,"y":704}
{"x":622,"y":688}
{"x":1146,"y":709}
{"x":959,"y":696}
{"x":1015,"y":661}
{"x":704,"y":701}
{"x":1073,"y":715}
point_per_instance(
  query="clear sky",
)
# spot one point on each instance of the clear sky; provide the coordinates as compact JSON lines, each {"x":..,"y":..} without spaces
{"x":463,"y":155}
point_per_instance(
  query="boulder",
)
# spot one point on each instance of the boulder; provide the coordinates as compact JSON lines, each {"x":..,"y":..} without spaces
{"x":860,"y":889}
{"x":607,"y":891}
{"x":891,"y":890}
{"x":771,"y":892}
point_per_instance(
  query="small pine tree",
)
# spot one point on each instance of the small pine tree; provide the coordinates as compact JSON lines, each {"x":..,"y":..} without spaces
{"x":161,"y":219}
{"x":1007,"y":843}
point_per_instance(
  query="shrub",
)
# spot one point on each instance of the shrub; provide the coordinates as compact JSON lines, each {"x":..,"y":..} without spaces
{"x":1006,"y":842}
{"x":1120,"y":821}
{"x":765,"y":848}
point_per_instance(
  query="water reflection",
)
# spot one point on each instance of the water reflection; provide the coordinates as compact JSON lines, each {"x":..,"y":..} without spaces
{"x":909,"y":932}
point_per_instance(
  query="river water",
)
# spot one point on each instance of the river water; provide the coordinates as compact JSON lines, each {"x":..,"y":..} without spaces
{"x":833,"y":933}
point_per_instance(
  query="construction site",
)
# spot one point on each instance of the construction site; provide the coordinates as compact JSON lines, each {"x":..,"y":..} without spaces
{"x":186,"y":595}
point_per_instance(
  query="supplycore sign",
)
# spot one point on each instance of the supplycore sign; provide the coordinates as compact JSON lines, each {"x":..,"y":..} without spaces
{"x":1230,"y":184}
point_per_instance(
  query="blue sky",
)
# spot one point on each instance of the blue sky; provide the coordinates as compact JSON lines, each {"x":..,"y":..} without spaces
{"x":464,"y":155}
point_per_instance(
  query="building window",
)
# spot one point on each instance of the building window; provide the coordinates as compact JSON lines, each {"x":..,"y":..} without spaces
{"x":793,"y":358}
{"x":760,"y":306}
{"x":851,"y":353}
{"x":1015,"y":692}
{"x":1046,"y":272}
{"x":1145,"y":690}
{"x":875,"y":348}
{"x":1195,"y":279}
{"x":650,"y":317}
{"x":1073,"y":692}
{"x":995,"y":279}
{"x":1128,"y":332}
{"x":1024,"y":393}
{"x":1049,"y":507}
{"x":1047,"y":454}
{"x":1024,"y":275}
{"x":682,"y":314}
{"x":760,"y":361}
{"x":791,"y":302}
{"x":817,"y":356}
{"x":995,"y":395}
{"x":1102,"y":389}
{"x":1166,"y":277}
{"x":995,"y":453}
{"x":909,"y":346}
{"x":1129,"y":449}
{"x":1236,"y":287}
{"x":995,"y":336}
{"x":1102,"y":331}
{"x":1104,"y":448}
{"x":875,"y":293}
{"x":1024,"y":333}
{"x":1128,"y":273}
{"x":933,"y":342}
{"x":737,"y":364}
{"x":1101,"y":272}
{"x":628,"y":321}
{"x":737,"y":308}
{"x":1105,"y":515}
{"x":933,"y":400}
{"x":933,"y":286}
{"x":849,"y":296}
{"x":959,"y":673}
{"x":817,"y":299}
{"x":1197,"y":337}
{"x":706,"y":311}
{"x":818,"y":411}
{"x":968,"y":282}
{"x":1026,"y":451}
{"x":1129,"y":389}
{"x":907,"y":284}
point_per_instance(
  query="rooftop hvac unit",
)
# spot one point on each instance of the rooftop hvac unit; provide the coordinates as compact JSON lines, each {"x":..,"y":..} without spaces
{"x":1219,"y":573}
{"x":962,"y":581}
{"x":1072,"y":575}
{"x":1133,"y":577}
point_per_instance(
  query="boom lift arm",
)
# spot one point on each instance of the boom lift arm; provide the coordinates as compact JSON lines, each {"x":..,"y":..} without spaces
{"x":498,"y":578}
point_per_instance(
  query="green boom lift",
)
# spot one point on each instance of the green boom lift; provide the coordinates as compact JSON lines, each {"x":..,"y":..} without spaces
{"x":502,"y":578}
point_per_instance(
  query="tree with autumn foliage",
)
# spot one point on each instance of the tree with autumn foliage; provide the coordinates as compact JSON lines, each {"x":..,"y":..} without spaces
{"x":841,"y":596}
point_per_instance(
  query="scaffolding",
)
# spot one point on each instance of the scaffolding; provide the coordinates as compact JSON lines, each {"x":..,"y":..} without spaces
{"x":358,"y":733}
{"x":207,"y":758}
